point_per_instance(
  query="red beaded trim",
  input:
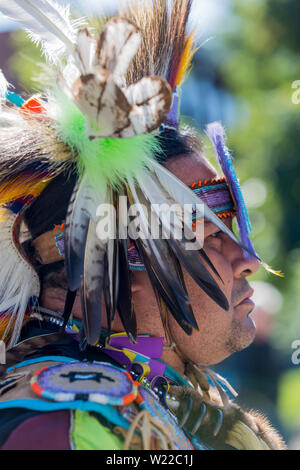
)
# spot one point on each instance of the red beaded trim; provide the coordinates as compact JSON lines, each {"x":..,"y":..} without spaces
{"x":208,"y":182}
{"x":222,"y":215}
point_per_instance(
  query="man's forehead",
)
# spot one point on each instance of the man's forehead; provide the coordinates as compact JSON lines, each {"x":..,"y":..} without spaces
{"x":190,"y":167}
{"x":209,"y":226}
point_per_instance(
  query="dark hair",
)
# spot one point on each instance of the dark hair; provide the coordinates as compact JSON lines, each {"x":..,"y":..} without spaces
{"x":173,"y":143}
{"x":46,"y":211}
{"x":50,"y":208}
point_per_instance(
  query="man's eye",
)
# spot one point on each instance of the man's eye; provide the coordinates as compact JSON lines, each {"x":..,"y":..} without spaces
{"x":216,"y":234}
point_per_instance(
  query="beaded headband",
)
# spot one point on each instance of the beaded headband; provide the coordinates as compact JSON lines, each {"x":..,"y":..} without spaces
{"x":216,"y":194}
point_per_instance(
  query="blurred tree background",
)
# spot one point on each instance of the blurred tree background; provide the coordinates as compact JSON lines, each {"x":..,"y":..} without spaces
{"x":244,"y":77}
{"x":258,"y":64}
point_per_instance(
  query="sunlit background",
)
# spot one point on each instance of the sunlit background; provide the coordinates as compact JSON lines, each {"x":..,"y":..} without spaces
{"x":243,"y":75}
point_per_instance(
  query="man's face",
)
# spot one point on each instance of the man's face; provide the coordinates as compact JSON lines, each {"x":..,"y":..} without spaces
{"x":221,"y":333}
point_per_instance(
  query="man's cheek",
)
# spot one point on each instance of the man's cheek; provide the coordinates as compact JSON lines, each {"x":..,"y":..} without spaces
{"x":223,"y":268}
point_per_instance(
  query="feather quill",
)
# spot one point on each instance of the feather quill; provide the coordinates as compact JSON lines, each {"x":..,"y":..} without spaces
{"x":166,"y":292}
{"x":47,"y":23}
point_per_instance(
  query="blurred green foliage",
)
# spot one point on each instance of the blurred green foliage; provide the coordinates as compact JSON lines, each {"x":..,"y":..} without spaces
{"x":289,"y":399}
{"x":27,"y":63}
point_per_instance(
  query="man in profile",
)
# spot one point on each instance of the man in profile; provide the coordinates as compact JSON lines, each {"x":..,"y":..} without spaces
{"x":137,"y":378}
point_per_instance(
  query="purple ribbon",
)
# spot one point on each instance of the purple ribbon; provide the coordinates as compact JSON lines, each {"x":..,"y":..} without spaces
{"x":148,"y":346}
{"x":172,"y":120}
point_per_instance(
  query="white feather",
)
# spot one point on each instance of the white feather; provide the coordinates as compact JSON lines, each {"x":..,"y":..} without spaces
{"x":120,"y":42}
{"x":3,"y":85}
{"x":3,"y":88}
{"x":18,"y":280}
{"x":47,"y":23}
{"x":151,"y":100}
{"x":85,"y":51}
{"x":69,"y":75}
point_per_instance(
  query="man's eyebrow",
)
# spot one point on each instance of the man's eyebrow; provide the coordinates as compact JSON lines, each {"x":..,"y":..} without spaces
{"x":207,"y":223}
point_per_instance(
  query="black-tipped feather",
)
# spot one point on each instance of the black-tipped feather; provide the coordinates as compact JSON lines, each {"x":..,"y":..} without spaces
{"x":81,"y":208}
{"x":180,"y":308}
{"x":115,"y":273}
{"x":106,"y":294}
{"x":121,"y":288}
{"x":176,"y":268}
{"x":199,"y":273}
{"x":154,"y":192}
{"x":178,"y":289}
{"x":156,"y":262}
{"x":92,"y":284}
{"x":208,"y":261}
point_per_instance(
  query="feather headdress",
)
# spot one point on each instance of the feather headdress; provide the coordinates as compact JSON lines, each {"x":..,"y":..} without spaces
{"x":101,"y":121}
{"x":167,"y":46}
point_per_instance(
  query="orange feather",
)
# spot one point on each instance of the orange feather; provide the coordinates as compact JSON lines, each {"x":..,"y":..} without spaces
{"x":186,"y":60}
{"x":22,"y":186}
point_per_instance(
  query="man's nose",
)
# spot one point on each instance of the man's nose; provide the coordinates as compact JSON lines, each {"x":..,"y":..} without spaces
{"x":244,"y":264}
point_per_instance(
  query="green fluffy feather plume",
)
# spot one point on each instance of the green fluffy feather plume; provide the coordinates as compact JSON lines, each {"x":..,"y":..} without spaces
{"x":103,"y":160}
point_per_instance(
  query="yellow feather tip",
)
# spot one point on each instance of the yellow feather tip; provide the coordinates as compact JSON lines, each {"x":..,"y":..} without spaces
{"x":271,"y":270}
{"x":186,"y":59}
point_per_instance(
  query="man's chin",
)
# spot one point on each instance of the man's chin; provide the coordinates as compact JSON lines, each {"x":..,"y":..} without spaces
{"x":242,"y":335}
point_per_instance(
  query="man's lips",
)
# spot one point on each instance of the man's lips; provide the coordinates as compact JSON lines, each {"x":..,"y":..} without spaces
{"x":246,"y":299}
